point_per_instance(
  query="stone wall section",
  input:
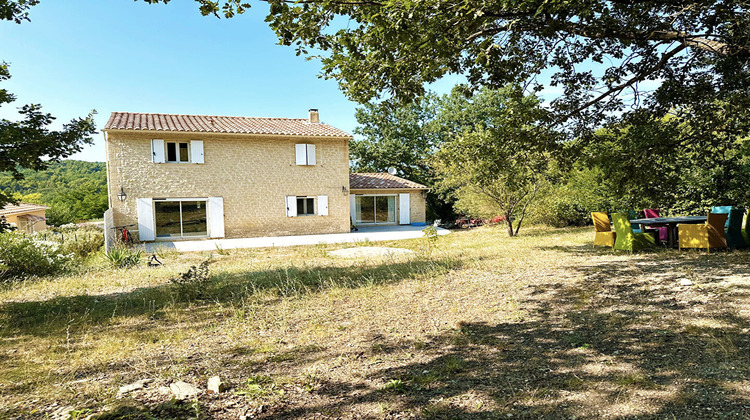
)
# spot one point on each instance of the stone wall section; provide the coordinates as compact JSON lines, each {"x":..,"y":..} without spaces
{"x":252,"y":173}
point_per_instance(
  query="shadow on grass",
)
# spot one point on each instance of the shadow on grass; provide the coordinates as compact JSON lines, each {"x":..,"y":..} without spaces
{"x":56,"y":316}
{"x":625,"y":340}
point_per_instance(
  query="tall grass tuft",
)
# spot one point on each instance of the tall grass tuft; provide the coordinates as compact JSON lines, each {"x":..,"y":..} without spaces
{"x":123,"y":257}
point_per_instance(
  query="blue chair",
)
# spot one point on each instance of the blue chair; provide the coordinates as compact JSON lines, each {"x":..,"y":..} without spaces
{"x":734,"y":229}
{"x":635,"y":226}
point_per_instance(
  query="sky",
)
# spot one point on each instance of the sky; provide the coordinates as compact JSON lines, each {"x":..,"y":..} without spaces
{"x":75,"y":56}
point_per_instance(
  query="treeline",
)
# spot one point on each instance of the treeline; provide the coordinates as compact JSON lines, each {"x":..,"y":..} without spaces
{"x":74,"y":190}
{"x":500,"y":152}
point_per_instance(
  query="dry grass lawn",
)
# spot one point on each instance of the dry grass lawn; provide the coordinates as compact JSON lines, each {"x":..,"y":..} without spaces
{"x":479,"y":326}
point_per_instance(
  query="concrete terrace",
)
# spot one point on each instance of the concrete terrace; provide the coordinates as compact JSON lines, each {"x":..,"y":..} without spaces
{"x":372,"y":234}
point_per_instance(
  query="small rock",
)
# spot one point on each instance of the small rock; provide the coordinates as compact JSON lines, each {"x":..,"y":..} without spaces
{"x":215,"y":385}
{"x":183,"y":390}
{"x":686,"y":282}
{"x":132,"y":387}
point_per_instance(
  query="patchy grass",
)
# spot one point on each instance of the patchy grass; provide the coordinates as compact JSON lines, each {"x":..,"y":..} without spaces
{"x":479,"y":326}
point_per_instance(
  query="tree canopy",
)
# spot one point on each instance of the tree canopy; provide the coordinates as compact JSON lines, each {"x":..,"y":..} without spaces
{"x":394,"y":47}
{"x":497,"y":154}
{"x":74,"y":190}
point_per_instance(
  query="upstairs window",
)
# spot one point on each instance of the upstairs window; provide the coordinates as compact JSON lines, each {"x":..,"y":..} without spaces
{"x":178,"y":152}
{"x":304,"y":154}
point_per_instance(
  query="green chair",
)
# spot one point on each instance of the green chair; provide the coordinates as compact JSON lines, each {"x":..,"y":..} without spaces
{"x":734,"y":229}
{"x":628,"y":240}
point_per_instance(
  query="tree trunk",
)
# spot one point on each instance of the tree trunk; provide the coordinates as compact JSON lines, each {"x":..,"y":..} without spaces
{"x":510,"y":224}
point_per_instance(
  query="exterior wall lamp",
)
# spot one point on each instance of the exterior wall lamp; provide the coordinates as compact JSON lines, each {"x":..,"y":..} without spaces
{"x":344,"y":190}
{"x":121,"y":195}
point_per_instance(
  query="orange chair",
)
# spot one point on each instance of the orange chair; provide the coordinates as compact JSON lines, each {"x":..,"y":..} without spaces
{"x":604,"y":235}
{"x":709,"y":235}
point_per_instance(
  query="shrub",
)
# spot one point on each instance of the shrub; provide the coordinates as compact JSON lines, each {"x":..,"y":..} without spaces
{"x":84,"y":242}
{"x":22,"y":255}
{"x":5,"y":226}
{"x":192,"y":283}
{"x":122,"y":257}
{"x":81,"y":241}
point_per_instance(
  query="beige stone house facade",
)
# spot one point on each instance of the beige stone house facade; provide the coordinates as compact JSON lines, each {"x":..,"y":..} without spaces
{"x":26,"y":217}
{"x":189,"y":177}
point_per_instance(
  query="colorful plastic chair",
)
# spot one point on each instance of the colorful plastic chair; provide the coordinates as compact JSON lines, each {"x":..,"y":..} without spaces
{"x":708,"y":235}
{"x":734,"y":229}
{"x":604,"y":235}
{"x":632,"y":214}
{"x":663,"y":230}
{"x":628,"y":240}
{"x":722,"y":210}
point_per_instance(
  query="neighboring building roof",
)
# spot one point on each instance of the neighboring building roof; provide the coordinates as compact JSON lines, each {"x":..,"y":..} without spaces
{"x":384,"y":180}
{"x":219,"y":124}
{"x":21,"y":208}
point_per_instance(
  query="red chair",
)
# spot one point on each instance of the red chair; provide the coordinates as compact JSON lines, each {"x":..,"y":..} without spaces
{"x":663,"y":231}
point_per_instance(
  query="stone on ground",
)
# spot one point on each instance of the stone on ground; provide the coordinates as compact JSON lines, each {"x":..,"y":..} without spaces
{"x":686,"y":282}
{"x":215,"y":385}
{"x":132,"y":387}
{"x":183,"y":390}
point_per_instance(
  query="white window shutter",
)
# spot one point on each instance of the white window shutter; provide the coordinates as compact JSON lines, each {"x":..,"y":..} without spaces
{"x":353,"y":209}
{"x":157,"y":151}
{"x":215,"y":217}
{"x":145,"y":209}
{"x":322,"y":205}
{"x":311,"y":154}
{"x":300,"y":154}
{"x":196,"y":151}
{"x":291,"y":206}
{"x":404,"y":209}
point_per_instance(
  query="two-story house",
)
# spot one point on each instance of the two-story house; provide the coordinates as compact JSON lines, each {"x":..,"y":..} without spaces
{"x":190,"y":176}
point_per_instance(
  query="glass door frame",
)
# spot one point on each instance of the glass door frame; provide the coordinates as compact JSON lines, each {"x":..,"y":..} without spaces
{"x":375,"y":217}
{"x":182,"y":233}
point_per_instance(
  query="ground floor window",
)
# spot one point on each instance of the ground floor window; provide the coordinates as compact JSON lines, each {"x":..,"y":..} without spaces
{"x":305,"y":206}
{"x":376,"y":209}
{"x":180,"y":218}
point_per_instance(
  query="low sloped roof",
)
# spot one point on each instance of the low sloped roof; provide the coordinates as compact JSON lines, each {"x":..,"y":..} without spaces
{"x":382,"y":180}
{"x":221,"y":124}
{"x":21,"y":208}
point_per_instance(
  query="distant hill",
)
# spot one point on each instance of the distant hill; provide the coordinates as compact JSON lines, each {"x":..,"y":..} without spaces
{"x":73,"y":189}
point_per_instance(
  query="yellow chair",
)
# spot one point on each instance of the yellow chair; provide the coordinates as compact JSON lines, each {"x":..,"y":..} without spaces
{"x":709,"y":235}
{"x":604,"y":235}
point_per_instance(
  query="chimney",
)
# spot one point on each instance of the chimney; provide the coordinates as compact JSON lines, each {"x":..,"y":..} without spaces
{"x":314,"y":116}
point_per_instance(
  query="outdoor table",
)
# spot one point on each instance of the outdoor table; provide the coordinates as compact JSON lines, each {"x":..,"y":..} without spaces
{"x":670,"y":223}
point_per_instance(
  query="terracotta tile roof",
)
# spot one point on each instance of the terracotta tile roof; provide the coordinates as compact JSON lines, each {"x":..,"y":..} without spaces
{"x":21,"y":208}
{"x":219,"y":124}
{"x":384,"y":180}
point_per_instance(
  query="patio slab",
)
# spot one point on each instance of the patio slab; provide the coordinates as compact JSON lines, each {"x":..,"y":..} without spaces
{"x":372,"y":234}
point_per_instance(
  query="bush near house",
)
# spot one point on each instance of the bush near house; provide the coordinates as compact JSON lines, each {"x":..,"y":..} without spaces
{"x":22,"y":255}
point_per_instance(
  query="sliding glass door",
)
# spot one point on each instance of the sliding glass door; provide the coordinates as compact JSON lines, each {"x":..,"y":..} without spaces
{"x":375,"y":209}
{"x":180,"y":218}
